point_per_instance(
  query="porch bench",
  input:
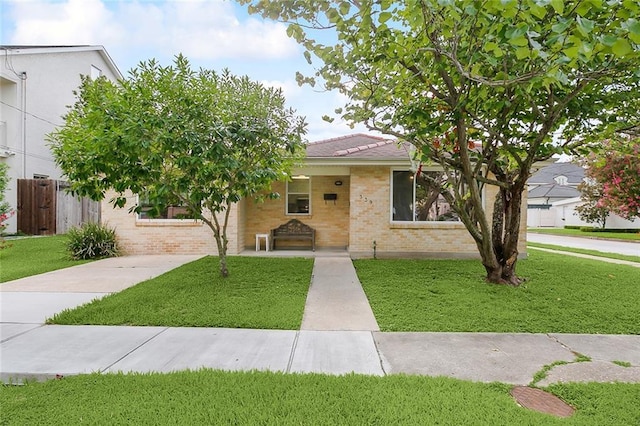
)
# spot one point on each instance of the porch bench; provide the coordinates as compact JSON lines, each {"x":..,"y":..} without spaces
{"x":293,"y":230}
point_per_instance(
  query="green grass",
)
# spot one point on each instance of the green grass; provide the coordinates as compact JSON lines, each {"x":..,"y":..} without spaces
{"x":579,"y":233}
{"x":542,"y":374}
{"x":562,"y":294}
{"x":589,"y":252}
{"x":261,"y":398}
{"x":34,"y":255}
{"x":267,"y":293}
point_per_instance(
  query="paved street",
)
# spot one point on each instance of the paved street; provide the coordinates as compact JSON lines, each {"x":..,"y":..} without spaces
{"x":606,"y":246}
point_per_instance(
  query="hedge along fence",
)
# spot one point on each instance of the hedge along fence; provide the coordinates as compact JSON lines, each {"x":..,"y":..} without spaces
{"x":594,"y":229}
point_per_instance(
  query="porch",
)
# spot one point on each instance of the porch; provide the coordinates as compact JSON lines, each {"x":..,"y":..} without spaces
{"x":320,"y":252}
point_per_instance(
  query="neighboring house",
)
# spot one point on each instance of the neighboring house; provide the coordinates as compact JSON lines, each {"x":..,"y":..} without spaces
{"x":553,"y":197}
{"x":565,"y":214}
{"x":36,"y":86}
{"x":357,"y":192}
{"x":553,"y":183}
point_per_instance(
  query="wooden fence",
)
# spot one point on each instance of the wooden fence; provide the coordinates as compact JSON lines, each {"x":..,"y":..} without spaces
{"x":44,"y":208}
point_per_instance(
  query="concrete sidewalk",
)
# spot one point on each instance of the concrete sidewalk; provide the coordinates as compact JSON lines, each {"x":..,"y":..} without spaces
{"x":631,"y":248}
{"x":29,"y":349}
{"x":587,"y":256}
{"x":40,"y":352}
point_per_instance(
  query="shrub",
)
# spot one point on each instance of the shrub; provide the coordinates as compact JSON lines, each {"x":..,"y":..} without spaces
{"x":92,"y":241}
{"x":5,"y":208}
{"x":618,"y":231}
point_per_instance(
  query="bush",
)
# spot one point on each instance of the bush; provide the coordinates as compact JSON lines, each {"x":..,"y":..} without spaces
{"x":619,"y":231}
{"x":92,"y":241}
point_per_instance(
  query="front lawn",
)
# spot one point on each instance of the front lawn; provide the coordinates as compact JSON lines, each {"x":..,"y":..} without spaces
{"x":562,"y":294}
{"x":587,"y":234}
{"x":34,"y":255}
{"x":268,"y":293}
{"x":261,"y":398}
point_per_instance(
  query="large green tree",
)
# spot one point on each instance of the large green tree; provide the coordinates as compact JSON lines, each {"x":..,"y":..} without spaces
{"x":478,"y":87}
{"x":201,"y":139}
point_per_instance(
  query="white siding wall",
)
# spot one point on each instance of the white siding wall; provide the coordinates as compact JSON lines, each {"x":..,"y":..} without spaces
{"x":565,"y":215}
{"x":36,"y":105}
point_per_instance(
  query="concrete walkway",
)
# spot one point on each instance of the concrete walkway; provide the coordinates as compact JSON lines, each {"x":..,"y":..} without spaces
{"x":29,"y":349}
{"x":336,"y":300}
{"x":36,"y":298}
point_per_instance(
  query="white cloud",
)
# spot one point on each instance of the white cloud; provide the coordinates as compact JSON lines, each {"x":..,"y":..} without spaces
{"x":320,"y":104}
{"x":201,"y":29}
{"x":290,"y":88}
{"x":71,"y":22}
{"x":211,"y":33}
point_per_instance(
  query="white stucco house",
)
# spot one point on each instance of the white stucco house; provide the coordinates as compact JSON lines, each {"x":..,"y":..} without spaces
{"x":553,"y":196}
{"x":552,"y":183}
{"x":36,"y":86}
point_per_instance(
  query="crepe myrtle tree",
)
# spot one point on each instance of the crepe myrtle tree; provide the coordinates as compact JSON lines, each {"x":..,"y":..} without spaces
{"x":484,"y":89}
{"x":613,"y":176}
{"x":200,"y":138}
{"x":592,"y":209}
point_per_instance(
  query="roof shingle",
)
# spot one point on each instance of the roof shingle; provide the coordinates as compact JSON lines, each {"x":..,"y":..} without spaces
{"x":359,"y":146}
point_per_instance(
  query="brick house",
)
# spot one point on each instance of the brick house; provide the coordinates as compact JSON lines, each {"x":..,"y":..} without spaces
{"x":352,"y":190}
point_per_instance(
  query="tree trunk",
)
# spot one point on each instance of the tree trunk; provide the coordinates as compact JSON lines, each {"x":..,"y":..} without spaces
{"x":501,"y":256}
{"x":224,"y":271}
{"x":221,"y":241}
{"x":220,"y":234}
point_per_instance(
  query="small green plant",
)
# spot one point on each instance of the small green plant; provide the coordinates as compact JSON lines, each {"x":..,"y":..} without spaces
{"x":582,"y":358}
{"x":542,"y":374}
{"x":622,"y":363}
{"x":92,"y":241}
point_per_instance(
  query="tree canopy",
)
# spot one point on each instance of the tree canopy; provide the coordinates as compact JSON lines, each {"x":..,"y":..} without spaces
{"x":592,"y":210}
{"x":202,"y":139}
{"x":484,"y":89}
{"x":615,"y":170}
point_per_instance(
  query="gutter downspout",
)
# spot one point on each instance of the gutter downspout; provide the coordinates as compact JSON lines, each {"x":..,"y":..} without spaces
{"x":23,"y":86}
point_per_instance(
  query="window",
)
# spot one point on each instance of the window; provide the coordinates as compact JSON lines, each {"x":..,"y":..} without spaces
{"x":172,"y":210}
{"x":418,"y":199}
{"x":298,"y":191}
{"x":561,"y":180}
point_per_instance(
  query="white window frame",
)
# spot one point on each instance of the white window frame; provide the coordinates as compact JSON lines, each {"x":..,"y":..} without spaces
{"x":287,"y":193}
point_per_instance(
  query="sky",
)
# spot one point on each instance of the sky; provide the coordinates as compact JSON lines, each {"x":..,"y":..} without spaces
{"x":213,"y":34}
